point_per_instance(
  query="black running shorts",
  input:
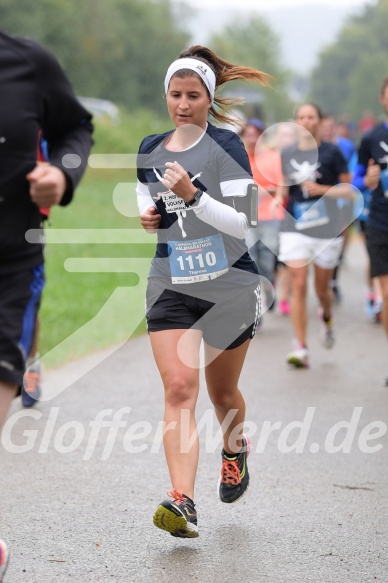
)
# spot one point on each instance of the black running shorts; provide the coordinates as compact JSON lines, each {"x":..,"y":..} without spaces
{"x":226,"y":321}
{"x":362,"y":225}
{"x":377,"y":245}
{"x":20,"y":294}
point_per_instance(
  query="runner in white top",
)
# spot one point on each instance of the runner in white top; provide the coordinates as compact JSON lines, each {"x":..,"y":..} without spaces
{"x":315,"y":174}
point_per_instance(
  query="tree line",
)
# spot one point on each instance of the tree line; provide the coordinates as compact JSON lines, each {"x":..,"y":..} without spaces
{"x":117,"y":50}
{"x":349,"y":72}
{"x":120,"y":50}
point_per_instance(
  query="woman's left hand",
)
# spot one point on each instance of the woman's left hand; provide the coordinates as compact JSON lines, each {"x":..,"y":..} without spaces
{"x":178,"y":181}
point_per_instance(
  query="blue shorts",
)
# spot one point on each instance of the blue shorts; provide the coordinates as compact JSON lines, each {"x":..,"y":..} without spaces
{"x":20,"y":295}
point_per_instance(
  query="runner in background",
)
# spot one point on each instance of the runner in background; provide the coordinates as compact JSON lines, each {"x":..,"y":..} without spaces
{"x":372,"y":173}
{"x":316,"y":174}
{"x":328,"y":132}
{"x":263,"y":240}
{"x":36,"y":94}
{"x":285,"y":134}
{"x":373,"y":297}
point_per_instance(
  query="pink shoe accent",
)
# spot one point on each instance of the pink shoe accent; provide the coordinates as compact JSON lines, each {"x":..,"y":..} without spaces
{"x":284,"y":307}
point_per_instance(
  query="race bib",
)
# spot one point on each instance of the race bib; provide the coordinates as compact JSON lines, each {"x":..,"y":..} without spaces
{"x":311,"y":213}
{"x":197,"y":260}
{"x":172,"y":202}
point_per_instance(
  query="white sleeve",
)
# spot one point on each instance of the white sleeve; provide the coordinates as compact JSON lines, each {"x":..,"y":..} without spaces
{"x":222,"y":216}
{"x":144,"y":198}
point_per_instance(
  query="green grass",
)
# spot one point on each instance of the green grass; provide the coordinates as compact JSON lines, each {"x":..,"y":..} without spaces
{"x":125,"y":137}
{"x":72,"y":300}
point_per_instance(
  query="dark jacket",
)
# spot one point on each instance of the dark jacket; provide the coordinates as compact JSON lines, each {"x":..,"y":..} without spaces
{"x":34,"y":95}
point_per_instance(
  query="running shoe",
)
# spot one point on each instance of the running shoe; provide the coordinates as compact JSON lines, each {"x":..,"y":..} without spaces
{"x":4,"y":558}
{"x":370,"y":304}
{"x":234,"y":479}
{"x":284,"y":307}
{"x":299,"y":357}
{"x":326,"y":332}
{"x":378,"y":310}
{"x":31,"y":390}
{"x":177,"y":516}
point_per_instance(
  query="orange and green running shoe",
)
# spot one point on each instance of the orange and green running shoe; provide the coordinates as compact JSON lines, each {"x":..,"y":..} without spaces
{"x":177,"y":516}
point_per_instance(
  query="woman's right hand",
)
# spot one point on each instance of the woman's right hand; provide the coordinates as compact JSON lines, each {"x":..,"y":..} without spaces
{"x":150,"y":220}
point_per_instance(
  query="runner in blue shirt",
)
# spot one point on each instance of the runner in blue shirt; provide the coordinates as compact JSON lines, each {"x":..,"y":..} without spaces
{"x":372,"y":173}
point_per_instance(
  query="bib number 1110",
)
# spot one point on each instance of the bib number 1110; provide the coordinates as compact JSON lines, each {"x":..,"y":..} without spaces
{"x":210,"y":260}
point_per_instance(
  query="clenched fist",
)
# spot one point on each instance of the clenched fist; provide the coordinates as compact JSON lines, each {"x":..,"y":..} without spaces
{"x":47,"y":184}
{"x":150,"y":220}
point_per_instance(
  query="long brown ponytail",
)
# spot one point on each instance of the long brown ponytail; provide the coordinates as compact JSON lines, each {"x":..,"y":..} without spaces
{"x":224,"y":72}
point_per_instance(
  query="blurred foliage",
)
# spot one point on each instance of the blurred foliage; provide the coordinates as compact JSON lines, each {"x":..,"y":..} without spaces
{"x":117,"y":50}
{"x":348,"y":76}
{"x":126,"y":136}
{"x":251,"y":42}
{"x":120,"y":49}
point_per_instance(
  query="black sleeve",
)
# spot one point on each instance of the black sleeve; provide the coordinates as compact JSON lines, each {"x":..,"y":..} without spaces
{"x":364,"y":151}
{"x":141,"y":176}
{"x":66,"y":124}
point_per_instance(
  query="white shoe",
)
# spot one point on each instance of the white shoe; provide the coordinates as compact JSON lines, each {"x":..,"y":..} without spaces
{"x":299,"y":357}
{"x":378,"y":311}
{"x":326,"y":331}
{"x":4,"y":558}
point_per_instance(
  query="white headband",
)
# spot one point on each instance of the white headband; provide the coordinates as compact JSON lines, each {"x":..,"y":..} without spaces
{"x":203,"y":70}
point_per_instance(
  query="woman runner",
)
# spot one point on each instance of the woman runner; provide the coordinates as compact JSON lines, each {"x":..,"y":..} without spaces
{"x":203,"y":285}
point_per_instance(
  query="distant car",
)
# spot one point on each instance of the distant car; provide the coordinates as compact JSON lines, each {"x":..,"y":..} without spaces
{"x":101,"y":108}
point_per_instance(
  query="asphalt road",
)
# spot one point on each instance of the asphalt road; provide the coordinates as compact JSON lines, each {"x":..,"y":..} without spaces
{"x":77,"y":501}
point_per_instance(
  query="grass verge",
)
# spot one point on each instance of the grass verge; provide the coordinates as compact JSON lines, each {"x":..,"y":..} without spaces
{"x":75,"y":294}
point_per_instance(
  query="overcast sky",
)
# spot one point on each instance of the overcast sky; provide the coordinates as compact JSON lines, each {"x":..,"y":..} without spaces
{"x":258,"y":5}
{"x":303,"y":27}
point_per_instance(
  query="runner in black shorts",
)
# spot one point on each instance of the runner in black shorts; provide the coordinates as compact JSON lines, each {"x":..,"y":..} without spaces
{"x":35,"y":95}
{"x":203,"y":285}
{"x":20,"y":299}
{"x":372,"y":173}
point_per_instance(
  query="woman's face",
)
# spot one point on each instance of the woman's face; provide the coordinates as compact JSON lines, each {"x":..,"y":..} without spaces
{"x":188,"y":101}
{"x":307,"y":117}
